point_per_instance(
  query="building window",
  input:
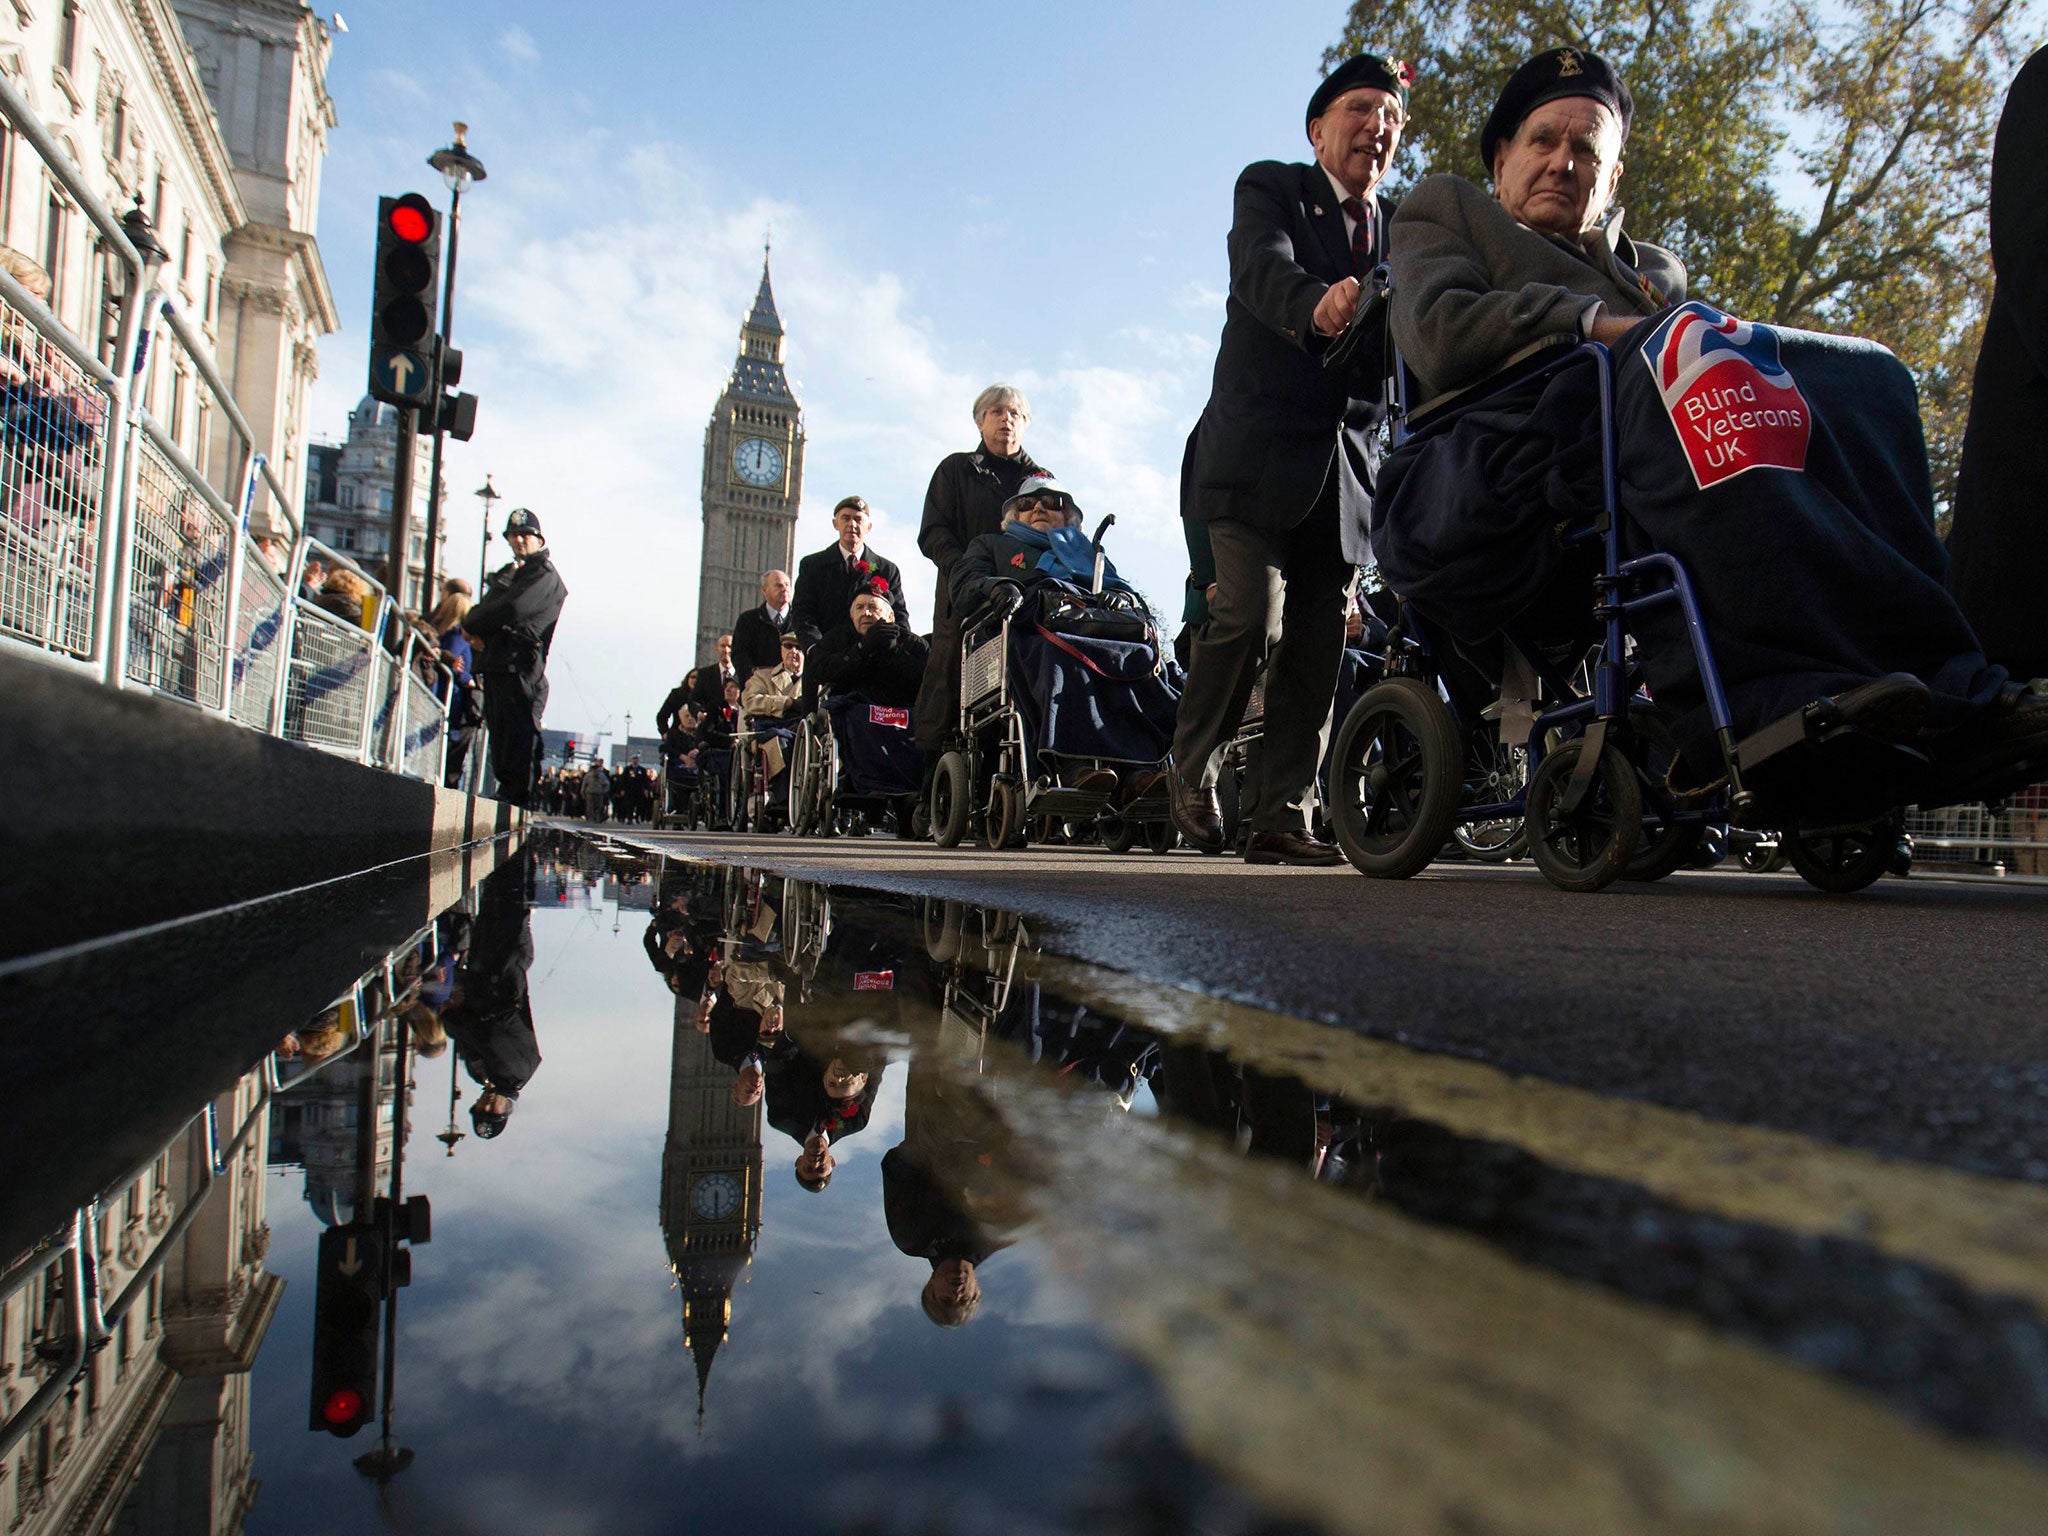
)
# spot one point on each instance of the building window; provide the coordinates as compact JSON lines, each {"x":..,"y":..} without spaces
{"x":384,"y":501}
{"x":345,"y":538}
{"x":67,"y":38}
{"x":53,"y":253}
{"x":348,"y":496}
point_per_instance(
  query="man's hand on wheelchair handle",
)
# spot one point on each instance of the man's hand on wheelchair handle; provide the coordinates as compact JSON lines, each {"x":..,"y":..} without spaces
{"x":1004,"y":598}
{"x":1336,"y":307}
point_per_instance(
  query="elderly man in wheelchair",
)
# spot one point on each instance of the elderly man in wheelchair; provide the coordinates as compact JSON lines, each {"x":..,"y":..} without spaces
{"x":1738,"y":518}
{"x":855,"y":755}
{"x":1067,"y":695}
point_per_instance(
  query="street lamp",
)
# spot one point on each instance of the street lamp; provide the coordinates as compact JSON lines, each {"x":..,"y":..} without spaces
{"x":490,"y":496}
{"x":458,"y":167}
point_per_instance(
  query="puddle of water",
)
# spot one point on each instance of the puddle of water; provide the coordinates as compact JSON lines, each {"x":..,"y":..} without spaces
{"x":778,"y":1205}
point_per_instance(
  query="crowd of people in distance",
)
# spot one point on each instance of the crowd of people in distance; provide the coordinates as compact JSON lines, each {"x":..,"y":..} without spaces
{"x":595,"y":793}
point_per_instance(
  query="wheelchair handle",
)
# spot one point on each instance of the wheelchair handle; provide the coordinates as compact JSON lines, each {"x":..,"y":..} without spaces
{"x":1101,"y":528}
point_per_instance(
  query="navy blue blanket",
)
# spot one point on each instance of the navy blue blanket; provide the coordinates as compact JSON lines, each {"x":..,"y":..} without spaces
{"x":876,"y":745}
{"x":1085,"y":697}
{"x":1785,"y":469}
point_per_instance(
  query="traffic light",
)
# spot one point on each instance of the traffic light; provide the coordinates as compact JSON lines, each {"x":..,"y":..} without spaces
{"x":347,"y":1292}
{"x":456,"y":413}
{"x":405,"y":300}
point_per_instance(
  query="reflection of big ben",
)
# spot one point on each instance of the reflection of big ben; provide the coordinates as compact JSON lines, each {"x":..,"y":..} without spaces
{"x":710,"y":1189}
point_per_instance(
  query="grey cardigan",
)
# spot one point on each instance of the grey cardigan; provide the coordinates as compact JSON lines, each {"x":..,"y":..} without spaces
{"x":1472,"y":287}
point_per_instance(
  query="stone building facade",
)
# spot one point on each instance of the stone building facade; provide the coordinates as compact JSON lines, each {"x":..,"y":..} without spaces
{"x":224,"y":156}
{"x":348,"y":494}
{"x":160,"y":1421}
{"x":753,"y":476}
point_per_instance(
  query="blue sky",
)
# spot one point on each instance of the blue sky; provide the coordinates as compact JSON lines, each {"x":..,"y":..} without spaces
{"x":1037,"y":194}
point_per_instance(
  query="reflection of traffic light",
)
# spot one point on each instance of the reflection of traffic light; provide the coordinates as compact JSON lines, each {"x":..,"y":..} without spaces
{"x":347,"y":1292}
{"x":404,"y":300}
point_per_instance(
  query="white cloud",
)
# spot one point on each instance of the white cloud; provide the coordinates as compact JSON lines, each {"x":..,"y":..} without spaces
{"x":518,"y":43}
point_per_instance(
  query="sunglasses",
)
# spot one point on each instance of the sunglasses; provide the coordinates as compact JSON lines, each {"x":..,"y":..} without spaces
{"x":1041,"y":504}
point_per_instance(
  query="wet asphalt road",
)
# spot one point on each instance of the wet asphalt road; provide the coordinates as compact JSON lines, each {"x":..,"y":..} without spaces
{"x":1909,"y":1020}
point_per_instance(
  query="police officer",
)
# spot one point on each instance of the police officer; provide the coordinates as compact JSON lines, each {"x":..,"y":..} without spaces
{"x":516,"y":622}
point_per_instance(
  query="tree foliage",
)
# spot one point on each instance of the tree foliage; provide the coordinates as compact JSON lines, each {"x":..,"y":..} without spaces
{"x":1815,"y":165}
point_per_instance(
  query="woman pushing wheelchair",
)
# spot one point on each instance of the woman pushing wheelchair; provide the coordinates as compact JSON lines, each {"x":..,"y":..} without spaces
{"x":1783,"y":472}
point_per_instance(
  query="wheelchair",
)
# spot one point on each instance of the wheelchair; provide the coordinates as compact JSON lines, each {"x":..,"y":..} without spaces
{"x":1583,"y":769}
{"x":678,"y":796}
{"x":752,"y":805}
{"x":852,"y":763}
{"x":1360,"y":669}
{"x":995,"y":781}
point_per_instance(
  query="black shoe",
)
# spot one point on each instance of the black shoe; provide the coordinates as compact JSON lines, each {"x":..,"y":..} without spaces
{"x":1096,"y":781}
{"x":1290,"y":848}
{"x":2002,"y":749}
{"x":1890,"y":708}
{"x":1195,"y":813}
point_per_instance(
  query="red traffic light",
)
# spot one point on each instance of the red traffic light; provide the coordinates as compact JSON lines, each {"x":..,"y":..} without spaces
{"x":411,"y":219}
{"x":343,"y":1405}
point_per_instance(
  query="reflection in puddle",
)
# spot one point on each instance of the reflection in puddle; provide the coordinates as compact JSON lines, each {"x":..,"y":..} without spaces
{"x":795,"y":1206}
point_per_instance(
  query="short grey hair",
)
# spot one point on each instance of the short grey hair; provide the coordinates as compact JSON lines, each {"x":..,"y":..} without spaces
{"x":999,"y":395}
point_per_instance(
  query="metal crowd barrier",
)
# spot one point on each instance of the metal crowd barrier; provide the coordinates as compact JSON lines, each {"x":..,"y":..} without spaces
{"x":262,"y":618}
{"x":327,"y":682}
{"x":2009,"y":840}
{"x":123,"y":558}
{"x":184,"y":543}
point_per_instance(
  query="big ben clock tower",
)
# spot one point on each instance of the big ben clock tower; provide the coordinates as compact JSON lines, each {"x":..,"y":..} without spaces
{"x":710,"y":1190}
{"x":753,"y":476}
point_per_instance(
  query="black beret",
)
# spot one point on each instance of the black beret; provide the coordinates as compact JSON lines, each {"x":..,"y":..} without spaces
{"x":1385,"y":74}
{"x":1550,"y":74}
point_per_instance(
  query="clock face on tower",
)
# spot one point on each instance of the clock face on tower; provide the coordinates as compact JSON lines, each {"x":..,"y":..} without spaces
{"x":715,"y":1197}
{"x":757,"y":462}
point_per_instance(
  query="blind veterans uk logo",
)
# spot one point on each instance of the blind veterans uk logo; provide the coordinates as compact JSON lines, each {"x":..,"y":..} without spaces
{"x":1731,"y":401}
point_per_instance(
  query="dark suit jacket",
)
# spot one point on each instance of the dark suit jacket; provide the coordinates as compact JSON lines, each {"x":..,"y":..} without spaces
{"x":1270,"y":430}
{"x":824,"y":591}
{"x":709,"y":698}
{"x":1999,"y":546}
{"x":757,"y":640}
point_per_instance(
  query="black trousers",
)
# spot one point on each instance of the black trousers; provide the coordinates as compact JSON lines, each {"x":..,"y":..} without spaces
{"x":1279,"y":593}
{"x":937,"y":711}
{"x":512,"y":715}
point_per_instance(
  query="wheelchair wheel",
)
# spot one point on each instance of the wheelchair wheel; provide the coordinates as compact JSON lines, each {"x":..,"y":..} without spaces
{"x":944,"y":924}
{"x":1003,"y":826}
{"x":1120,"y":835}
{"x":1841,"y":862}
{"x":1494,"y":774}
{"x":1396,"y":778}
{"x":952,"y":800}
{"x":737,"y":787}
{"x":1492,"y":842}
{"x":1660,"y":850}
{"x":800,"y":797}
{"x":1589,"y":849}
{"x":1161,"y":837}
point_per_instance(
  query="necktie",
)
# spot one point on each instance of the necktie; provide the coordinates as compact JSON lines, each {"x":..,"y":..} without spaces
{"x":1361,"y":235}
